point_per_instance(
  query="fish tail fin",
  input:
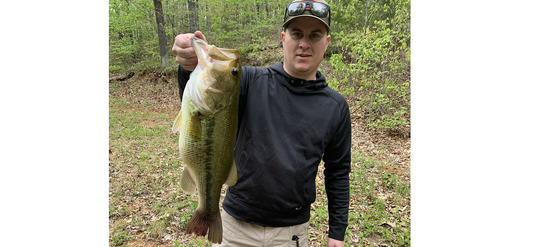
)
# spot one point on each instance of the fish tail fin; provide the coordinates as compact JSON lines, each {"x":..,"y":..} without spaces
{"x":215,"y":231}
{"x":201,"y":222}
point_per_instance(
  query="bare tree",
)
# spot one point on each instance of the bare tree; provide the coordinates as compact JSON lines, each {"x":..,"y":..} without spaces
{"x":193,"y":15}
{"x":159,"y":17}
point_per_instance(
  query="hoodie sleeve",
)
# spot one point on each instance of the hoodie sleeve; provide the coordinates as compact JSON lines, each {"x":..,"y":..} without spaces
{"x":183,"y":78}
{"x":248,"y":76}
{"x":337,"y":160}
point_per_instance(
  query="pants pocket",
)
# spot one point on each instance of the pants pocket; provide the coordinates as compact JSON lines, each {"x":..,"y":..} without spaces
{"x":301,"y":233}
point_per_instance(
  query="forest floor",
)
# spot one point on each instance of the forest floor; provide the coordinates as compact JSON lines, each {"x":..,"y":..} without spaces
{"x":147,"y":208}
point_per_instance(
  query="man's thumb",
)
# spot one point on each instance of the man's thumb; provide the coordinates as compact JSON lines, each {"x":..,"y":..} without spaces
{"x":200,"y":35}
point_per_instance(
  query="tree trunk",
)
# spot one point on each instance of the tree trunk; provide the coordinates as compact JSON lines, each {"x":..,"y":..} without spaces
{"x":122,"y":77}
{"x":193,"y":15}
{"x":279,"y":22}
{"x":163,"y":51}
{"x":255,"y":11}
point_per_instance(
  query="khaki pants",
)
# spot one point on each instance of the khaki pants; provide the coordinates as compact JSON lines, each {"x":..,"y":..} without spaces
{"x":237,"y":233}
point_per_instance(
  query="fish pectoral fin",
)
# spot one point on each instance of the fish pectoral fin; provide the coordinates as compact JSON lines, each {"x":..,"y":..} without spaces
{"x":232,"y":176}
{"x":187,"y":182}
{"x":195,"y":127}
{"x":177,"y":124}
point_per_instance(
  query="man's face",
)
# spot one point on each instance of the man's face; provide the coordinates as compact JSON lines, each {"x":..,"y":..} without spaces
{"x":305,"y":41}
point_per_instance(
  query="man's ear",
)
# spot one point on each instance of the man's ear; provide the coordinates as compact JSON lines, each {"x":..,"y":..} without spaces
{"x":282,"y":36}
{"x":328,"y":40}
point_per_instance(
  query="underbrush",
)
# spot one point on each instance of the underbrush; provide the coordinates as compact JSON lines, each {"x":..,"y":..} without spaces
{"x":372,"y":65}
{"x":147,"y":207}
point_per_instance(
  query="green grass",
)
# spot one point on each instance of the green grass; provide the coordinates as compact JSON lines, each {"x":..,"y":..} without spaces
{"x":146,"y":204}
{"x":379,"y":201}
{"x":120,"y":237}
{"x":379,"y":209}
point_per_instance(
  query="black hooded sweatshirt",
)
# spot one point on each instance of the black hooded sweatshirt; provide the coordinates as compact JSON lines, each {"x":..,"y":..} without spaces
{"x":286,"y":127}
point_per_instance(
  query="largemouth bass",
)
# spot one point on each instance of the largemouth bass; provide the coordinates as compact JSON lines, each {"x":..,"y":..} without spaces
{"x":207,"y":124}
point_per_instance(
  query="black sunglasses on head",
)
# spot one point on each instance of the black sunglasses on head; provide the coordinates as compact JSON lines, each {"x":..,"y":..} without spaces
{"x":317,"y":9}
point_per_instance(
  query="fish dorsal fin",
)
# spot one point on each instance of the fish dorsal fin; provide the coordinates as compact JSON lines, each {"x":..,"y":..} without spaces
{"x":177,"y":124}
{"x":187,"y":181}
{"x":232,"y":176}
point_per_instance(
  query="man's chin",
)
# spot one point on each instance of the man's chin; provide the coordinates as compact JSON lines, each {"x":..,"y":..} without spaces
{"x":302,"y":68}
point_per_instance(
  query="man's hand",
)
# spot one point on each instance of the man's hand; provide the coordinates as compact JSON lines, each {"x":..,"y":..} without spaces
{"x":185,"y":55}
{"x":335,"y":243}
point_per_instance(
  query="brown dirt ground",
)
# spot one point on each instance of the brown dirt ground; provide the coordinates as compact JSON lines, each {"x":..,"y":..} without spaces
{"x":160,"y":90}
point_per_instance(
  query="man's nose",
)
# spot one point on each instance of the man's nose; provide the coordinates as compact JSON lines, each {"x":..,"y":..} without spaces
{"x":304,"y":43}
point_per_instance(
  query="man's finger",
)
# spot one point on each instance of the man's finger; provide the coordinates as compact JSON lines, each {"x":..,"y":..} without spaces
{"x":187,"y":53}
{"x":183,"y":40}
{"x":200,"y":35}
{"x":187,"y":64}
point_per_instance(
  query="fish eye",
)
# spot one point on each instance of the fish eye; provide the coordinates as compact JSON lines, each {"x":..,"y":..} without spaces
{"x":234,"y":71}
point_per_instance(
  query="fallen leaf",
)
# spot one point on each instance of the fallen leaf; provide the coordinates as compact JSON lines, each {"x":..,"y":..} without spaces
{"x":391,"y":224}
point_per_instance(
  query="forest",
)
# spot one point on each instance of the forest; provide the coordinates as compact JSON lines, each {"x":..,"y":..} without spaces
{"x":369,"y":52}
{"x":367,"y":61}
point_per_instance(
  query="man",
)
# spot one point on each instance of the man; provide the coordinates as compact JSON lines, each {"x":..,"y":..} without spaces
{"x":289,"y":120}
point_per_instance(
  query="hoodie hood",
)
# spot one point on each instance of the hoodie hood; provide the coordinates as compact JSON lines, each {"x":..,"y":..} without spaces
{"x":297,"y":84}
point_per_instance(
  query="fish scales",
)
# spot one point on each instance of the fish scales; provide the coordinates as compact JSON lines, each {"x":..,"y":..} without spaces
{"x":207,"y":124}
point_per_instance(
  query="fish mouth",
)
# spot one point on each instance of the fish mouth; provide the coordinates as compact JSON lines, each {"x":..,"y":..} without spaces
{"x":200,"y":47}
{"x":208,"y":53}
{"x":215,"y":89}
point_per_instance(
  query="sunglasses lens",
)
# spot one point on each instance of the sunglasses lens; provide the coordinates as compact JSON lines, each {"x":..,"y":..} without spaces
{"x":320,"y":10}
{"x":296,"y":8}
